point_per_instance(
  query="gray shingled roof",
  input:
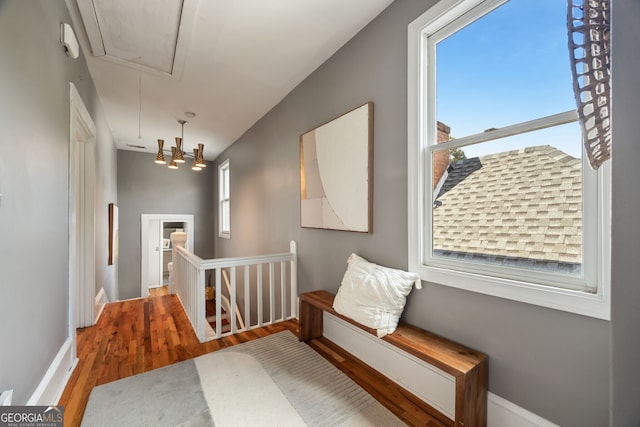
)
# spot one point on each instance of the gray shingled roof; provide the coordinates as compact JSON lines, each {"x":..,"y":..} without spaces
{"x":521,"y":206}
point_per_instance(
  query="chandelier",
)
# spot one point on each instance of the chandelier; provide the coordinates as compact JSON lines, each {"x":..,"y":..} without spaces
{"x":177,"y":155}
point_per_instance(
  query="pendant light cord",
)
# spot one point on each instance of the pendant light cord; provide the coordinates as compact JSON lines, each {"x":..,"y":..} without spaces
{"x":139,"y":99}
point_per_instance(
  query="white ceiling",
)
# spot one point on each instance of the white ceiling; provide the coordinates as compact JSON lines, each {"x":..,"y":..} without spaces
{"x":233,"y":61}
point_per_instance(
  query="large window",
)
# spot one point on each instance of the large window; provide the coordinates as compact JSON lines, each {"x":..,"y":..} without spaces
{"x":501,"y":199}
{"x":224,"y":201}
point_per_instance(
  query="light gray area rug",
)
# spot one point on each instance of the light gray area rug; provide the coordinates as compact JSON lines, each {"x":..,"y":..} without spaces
{"x":271,"y":381}
{"x":169,"y":396}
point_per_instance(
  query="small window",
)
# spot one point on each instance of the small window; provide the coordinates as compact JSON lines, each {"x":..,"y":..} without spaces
{"x":224,"y":200}
{"x":501,"y":199}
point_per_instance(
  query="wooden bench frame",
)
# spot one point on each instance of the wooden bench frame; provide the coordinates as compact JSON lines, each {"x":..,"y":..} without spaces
{"x":468,"y":367}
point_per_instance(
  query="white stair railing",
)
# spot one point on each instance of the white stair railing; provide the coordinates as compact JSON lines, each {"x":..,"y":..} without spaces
{"x":227,"y":303}
{"x":267,"y":293}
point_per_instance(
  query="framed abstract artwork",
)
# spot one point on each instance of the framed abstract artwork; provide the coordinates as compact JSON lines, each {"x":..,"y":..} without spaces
{"x":336,"y":173}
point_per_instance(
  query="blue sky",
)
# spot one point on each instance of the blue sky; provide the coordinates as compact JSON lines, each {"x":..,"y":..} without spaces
{"x":508,"y":67}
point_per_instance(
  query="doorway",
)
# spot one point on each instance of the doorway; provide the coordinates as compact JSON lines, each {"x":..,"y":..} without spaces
{"x":82,"y":164}
{"x":156,"y":247}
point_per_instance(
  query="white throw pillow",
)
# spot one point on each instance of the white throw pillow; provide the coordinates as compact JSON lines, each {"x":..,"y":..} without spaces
{"x":374,"y":295}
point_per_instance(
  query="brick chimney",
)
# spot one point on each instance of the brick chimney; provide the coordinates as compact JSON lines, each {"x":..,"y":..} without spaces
{"x":441,"y":158}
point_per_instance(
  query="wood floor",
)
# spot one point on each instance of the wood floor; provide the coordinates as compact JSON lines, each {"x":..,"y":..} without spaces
{"x":136,"y":336}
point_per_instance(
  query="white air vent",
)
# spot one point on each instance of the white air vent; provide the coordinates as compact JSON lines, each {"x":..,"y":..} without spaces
{"x":149,"y":35}
{"x":142,"y":147}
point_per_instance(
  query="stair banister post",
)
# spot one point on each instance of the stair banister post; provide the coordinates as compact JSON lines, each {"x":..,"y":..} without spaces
{"x":178,"y":238}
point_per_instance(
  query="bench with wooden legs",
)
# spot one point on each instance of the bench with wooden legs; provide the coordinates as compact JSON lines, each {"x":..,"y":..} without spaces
{"x":468,"y":367}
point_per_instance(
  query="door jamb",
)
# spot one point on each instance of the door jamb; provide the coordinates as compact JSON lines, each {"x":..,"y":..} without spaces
{"x":82,"y":162}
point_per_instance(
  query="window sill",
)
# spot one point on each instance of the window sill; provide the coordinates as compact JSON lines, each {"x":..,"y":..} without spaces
{"x":578,"y":302}
{"x":225,"y":235}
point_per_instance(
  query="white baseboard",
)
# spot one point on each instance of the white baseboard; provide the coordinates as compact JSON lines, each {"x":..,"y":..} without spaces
{"x":502,"y":413}
{"x":427,"y":382}
{"x":100,"y":301}
{"x":55,"y":379}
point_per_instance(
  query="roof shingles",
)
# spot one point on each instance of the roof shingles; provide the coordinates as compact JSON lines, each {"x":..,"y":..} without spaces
{"x":521,"y":204}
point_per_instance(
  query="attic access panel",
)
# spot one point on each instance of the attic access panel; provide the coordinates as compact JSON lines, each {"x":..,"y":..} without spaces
{"x":149,"y":35}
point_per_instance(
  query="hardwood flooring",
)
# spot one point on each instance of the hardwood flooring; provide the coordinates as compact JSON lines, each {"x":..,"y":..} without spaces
{"x":136,"y":336}
{"x":405,"y":405}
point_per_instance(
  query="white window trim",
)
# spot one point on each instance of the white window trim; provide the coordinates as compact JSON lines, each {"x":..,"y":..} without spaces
{"x":224,"y":166}
{"x":585,"y":303}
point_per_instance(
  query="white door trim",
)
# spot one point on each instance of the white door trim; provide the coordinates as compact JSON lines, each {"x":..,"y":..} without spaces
{"x":82,"y":162}
{"x":145,"y":222}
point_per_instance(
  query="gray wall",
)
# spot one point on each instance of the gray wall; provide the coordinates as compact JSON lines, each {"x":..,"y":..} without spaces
{"x":106,"y":171}
{"x":625,"y":319}
{"x":34,"y":256}
{"x":552,"y":363}
{"x":147,"y":188}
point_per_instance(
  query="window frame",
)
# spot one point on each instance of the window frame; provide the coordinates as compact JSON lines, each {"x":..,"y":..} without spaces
{"x":224,"y":199}
{"x":525,"y":286}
